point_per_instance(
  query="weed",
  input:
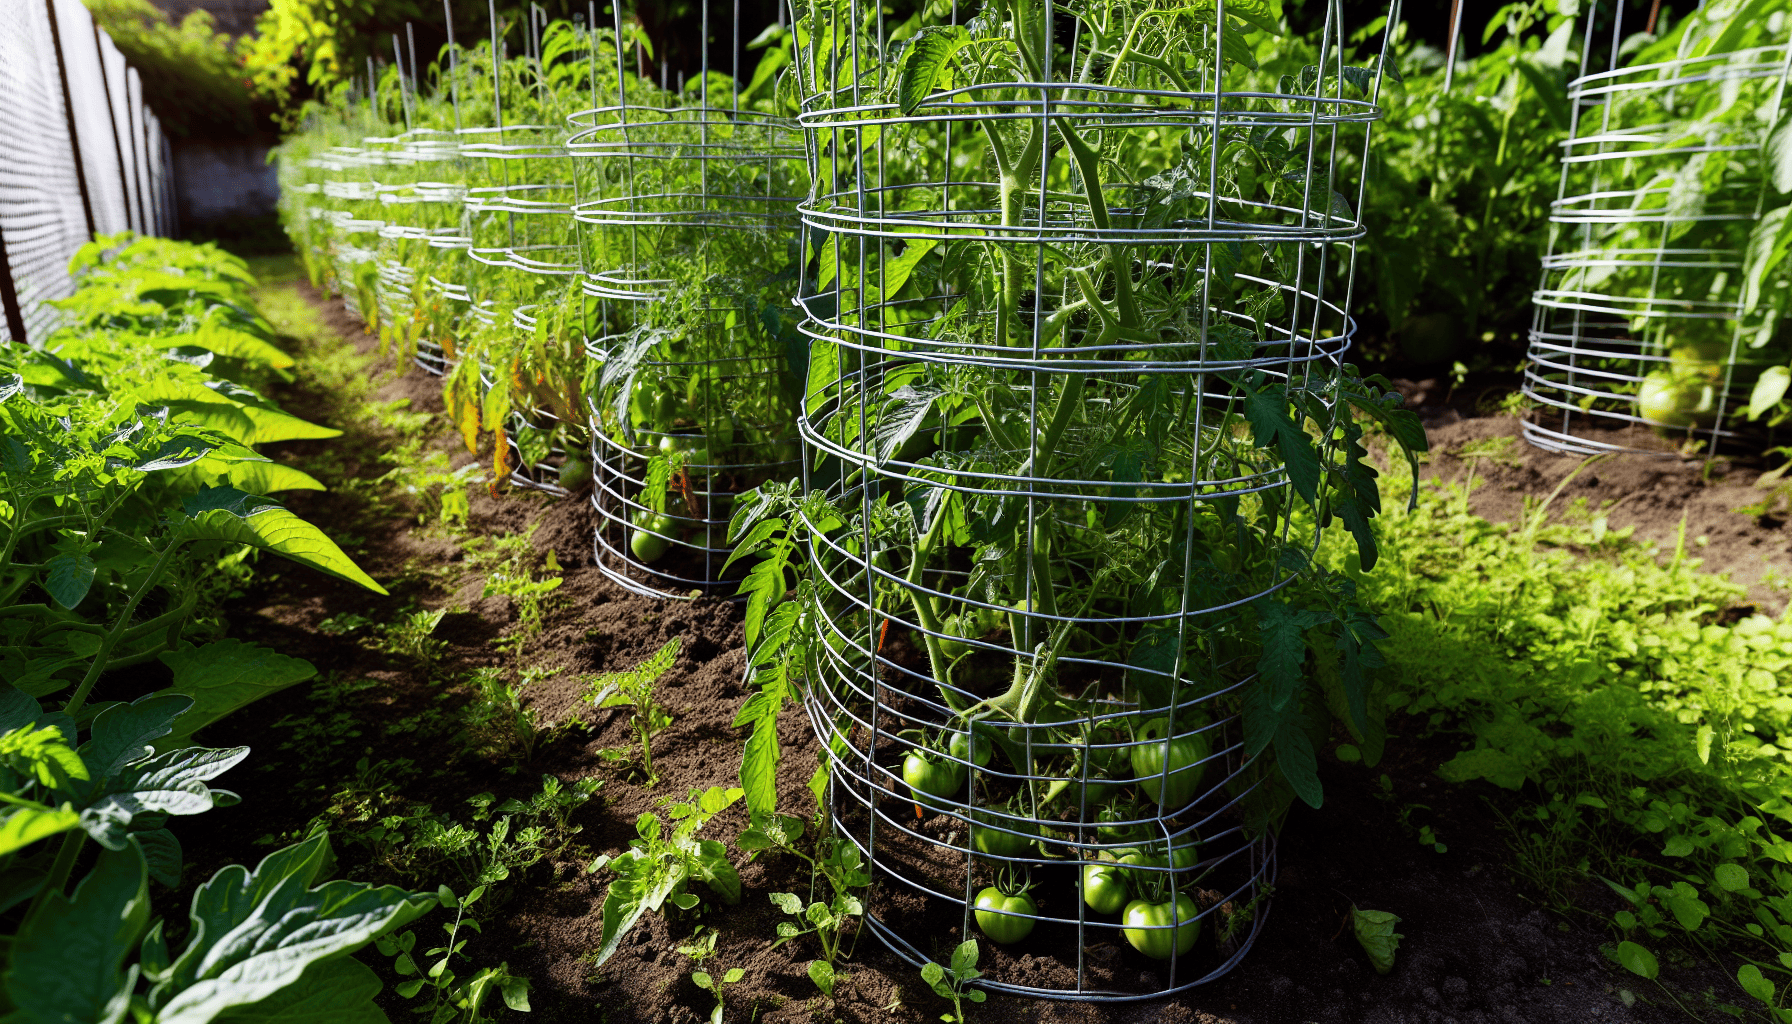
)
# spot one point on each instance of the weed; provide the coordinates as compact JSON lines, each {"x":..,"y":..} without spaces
{"x":634,"y":689}
{"x":1500,"y":450}
{"x":837,"y":863}
{"x":953,"y":983}
{"x":703,"y":980}
{"x":342,"y":623}
{"x":412,"y":636}
{"x":452,"y":998}
{"x":657,"y":865}
{"x":500,"y":716}
{"x":514,"y":567}
{"x":417,"y":842}
{"x":702,"y":946}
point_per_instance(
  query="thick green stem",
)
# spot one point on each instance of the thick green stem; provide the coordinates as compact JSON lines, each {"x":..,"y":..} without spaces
{"x":18,"y":530}
{"x":57,"y":880}
{"x":924,"y":611}
{"x":118,"y":630}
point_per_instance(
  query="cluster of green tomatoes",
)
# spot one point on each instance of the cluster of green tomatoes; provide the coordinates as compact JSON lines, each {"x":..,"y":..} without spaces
{"x":1134,"y":879}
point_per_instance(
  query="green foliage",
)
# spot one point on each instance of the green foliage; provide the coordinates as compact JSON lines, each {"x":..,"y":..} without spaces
{"x":836,"y":862}
{"x":87,"y":955}
{"x":193,"y":75}
{"x":715,"y":986}
{"x":452,"y":998}
{"x":658,"y":866}
{"x":1374,"y":931}
{"x":1457,"y":209}
{"x":414,"y":841}
{"x":501,"y":715}
{"x":1593,"y":674}
{"x":953,"y":983}
{"x":633,"y":689}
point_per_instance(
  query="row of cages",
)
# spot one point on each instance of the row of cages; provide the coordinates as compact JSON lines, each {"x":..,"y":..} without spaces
{"x":1033,"y":352}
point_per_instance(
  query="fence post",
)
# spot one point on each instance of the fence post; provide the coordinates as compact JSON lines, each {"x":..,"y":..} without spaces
{"x":9,"y":298}
{"x":68,"y":108}
{"x":112,"y":118}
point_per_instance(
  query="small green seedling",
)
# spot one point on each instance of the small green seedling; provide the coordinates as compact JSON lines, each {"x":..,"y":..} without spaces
{"x":634,"y":689}
{"x":954,"y":984}
{"x":452,"y":999}
{"x":842,"y":866}
{"x":704,"y":981}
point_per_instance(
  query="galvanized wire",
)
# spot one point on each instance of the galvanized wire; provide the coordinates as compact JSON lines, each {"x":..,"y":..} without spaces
{"x":944,"y":401}
{"x":1640,"y":341}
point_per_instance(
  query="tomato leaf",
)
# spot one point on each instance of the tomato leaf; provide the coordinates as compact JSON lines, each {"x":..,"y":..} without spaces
{"x":925,"y":60}
{"x":68,"y":962}
{"x":227,"y":514}
{"x":223,"y":676}
{"x":1375,"y":933}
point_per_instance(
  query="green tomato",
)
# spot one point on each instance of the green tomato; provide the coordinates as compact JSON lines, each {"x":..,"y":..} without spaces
{"x":575,"y":473}
{"x":696,"y":453}
{"x":1104,"y":887}
{"x":959,"y":746}
{"x":1183,"y":754}
{"x":952,"y":627}
{"x":980,"y":622}
{"x":929,"y":779}
{"x":1676,"y":400}
{"x":995,"y":842}
{"x":1149,"y":928}
{"x":649,"y":539}
{"x":1110,"y":818}
{"x":1003,"y":927}
{"x":1183,"y":855}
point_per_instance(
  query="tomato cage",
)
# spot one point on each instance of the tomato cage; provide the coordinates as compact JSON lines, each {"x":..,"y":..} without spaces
{"x":519,"y":200}
{"x":421,"y":238}
{"x":547,"y":418}
{"x":1049,"y":303}
{"x":691,"y":403}
{"x":686,"y":216}
{"x":1652,"y":324}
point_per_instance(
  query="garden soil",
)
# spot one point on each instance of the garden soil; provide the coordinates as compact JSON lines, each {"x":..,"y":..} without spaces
{"x":1475,"y":947}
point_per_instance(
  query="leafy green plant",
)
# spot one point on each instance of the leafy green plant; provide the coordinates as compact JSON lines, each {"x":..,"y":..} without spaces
{"x":192,"y":73}
{"x":714,"y":986}
{"x":412,"y":635}
{"x":953,"y":983}
{"x":658,"y":866}
{"x":452,"y":998}
{"x":500,"y":712}
{"x":828,"y":912}
{"x":1458,"y":215}
{"x":418,"y":842}
{"x":97,"y":948}
{"x":1374,"y":930}
{"x":1588,"y":676}
{"x":633,"y":689}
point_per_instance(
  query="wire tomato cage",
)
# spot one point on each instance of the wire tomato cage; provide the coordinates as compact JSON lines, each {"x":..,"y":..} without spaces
{"x":1050,"y":293}
{"x":689,"y":407}
{"x":1652,"y":321}
{"x":686,"y":218}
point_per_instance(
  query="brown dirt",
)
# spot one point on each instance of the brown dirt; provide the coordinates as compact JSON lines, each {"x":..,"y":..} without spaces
{"x":1651,"y":494}
{"x":1474,"y":950}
